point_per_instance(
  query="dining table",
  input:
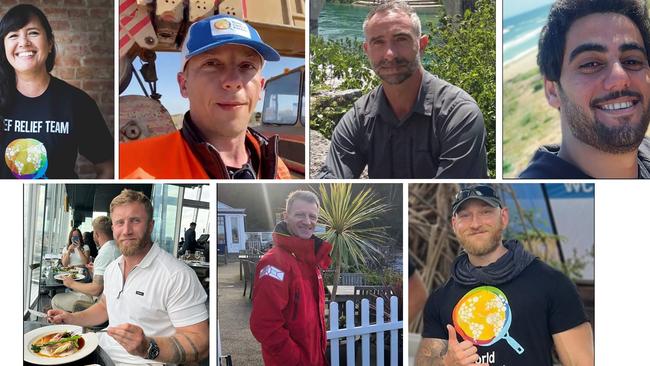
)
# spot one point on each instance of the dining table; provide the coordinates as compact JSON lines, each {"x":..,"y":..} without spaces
{"x":97,"y":357}
{"x":52,"y":285}
{"x":201,"y":268}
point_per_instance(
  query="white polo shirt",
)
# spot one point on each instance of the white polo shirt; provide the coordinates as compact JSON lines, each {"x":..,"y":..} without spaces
{"x":159,"y":294}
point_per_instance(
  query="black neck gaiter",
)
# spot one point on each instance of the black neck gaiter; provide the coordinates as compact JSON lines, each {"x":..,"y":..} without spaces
{"x":509,"y":266}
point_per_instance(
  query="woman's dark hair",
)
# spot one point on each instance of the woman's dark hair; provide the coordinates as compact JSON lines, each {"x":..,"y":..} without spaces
{"x":552,"y":40}
{"x":90,"y":242}
{"x":16,"y":18}
{"x":81,"y":238}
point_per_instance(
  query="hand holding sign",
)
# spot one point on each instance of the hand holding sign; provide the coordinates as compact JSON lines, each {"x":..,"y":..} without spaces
{"x":460,"y":354}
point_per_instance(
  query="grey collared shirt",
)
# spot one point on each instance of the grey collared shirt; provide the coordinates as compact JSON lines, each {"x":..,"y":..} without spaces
{"x":442,"y":137}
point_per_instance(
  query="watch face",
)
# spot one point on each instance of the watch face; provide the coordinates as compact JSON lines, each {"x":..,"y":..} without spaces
{"x":153,"y":350}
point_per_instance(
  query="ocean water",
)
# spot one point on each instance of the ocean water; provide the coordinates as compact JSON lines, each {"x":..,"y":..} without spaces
{"x":521,"y":32}
{"x":338,"y":21}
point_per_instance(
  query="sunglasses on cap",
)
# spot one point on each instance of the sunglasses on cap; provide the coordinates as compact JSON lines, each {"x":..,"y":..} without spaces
{"x":480,"y":191}
{"x":246,"y":172}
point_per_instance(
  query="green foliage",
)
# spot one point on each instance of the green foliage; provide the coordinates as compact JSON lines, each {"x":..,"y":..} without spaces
{"x":386,"y":277}
{"x":349,"y":225}
{"x":464,"y":54}
{"x":336,"y":61}
{"x":526,"y":119}
{"x":527,"y":75}
{"x":324,"y":118}
{"x":507,"y":166}
{"x":573,"y":266}
{"x":340,"y":60}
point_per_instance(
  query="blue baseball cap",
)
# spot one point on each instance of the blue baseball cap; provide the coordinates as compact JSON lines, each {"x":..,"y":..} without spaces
{"x":220,"y":30}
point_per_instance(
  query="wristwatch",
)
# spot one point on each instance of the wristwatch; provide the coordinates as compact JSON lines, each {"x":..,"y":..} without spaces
{"x":153,"y":351}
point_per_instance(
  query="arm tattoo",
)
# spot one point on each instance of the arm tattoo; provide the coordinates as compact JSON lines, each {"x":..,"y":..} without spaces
{"x":179,"y":352}
{"x":196,"y":352}
{"x":98,"y":279}
{"x":431,"y":352}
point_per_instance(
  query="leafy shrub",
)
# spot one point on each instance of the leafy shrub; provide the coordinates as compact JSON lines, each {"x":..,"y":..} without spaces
{"x":464,"y":54}
{"x":340,"y":65}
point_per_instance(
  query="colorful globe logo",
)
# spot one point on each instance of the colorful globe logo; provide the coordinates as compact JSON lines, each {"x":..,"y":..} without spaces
{"x":221,"y":24}
{"x":26,"y":158}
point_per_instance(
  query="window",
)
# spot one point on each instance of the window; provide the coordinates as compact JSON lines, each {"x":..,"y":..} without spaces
{"x":165,"y":203}
{"x":234,"y":229}
{"x":281,"y":99}
{"x":221,"y":230}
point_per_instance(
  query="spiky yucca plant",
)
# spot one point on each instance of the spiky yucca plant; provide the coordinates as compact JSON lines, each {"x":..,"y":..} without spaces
{"x":349,"y":222}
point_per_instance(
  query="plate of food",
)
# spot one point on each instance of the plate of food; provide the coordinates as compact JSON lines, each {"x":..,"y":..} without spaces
{"x":66,"y":269}
{"x":58,"y":344}
{"x":74,"y":276}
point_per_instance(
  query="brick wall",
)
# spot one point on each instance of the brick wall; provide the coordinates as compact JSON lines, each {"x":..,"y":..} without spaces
{"x":83,"y":30}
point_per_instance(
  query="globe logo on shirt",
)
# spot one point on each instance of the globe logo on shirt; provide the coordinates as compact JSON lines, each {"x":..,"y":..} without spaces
{"x":483,"y":317}
{"x":26,"y":158}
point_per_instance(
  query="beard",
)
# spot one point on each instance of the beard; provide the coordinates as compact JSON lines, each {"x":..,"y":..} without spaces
{"x":134,"y":248}
{"x":622,"y":138}
{"x":479,"y":246}
{"x":409,"y":69}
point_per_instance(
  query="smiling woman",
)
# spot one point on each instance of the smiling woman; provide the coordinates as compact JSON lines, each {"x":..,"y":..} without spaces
{"x":47,"y":122}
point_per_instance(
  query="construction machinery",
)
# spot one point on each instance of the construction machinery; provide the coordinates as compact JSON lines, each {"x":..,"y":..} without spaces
{"x":149,"y":26}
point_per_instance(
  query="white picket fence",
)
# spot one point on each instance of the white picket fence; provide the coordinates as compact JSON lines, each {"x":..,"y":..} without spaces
{"x":364,"y":330}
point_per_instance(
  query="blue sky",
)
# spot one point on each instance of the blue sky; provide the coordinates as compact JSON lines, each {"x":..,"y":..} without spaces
{"x":515,"y":7}
{"x":167,"y":66}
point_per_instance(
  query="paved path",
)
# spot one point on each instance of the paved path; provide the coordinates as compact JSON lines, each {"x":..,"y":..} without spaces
{"x":233,"y":311}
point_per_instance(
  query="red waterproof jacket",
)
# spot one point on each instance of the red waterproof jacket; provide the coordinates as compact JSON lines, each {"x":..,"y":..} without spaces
{"x":288,"y":316}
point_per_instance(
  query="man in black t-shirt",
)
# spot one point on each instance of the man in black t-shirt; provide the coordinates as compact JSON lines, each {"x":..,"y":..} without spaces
{"x":502,"y":306}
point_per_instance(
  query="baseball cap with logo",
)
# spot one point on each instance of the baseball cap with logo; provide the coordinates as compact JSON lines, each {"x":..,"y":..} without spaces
{"x":478,"y":192}
{"x":220,"y":30}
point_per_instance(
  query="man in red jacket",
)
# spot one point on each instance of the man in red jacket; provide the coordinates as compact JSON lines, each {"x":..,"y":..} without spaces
{"x":288,"y":297}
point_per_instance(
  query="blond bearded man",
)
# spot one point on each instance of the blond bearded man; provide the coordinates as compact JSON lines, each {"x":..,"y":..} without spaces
{"x":153,"y":302}
{"x":541,"y":303}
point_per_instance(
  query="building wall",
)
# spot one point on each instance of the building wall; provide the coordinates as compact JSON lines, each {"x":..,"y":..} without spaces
{"x":84,"y":34}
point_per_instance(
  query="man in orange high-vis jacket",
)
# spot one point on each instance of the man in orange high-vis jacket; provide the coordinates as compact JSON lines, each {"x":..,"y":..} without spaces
{"x":221,"y":75}
{"x":288,"y":316}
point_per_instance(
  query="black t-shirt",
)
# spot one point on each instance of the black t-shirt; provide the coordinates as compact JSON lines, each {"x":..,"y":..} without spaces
{"x":42,"y":135}
{"x":546,"y":164}
{"x":540,"y":302}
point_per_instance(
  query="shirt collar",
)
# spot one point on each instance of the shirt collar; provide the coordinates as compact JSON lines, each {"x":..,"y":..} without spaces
{"x":423,"y":103}
{"x":208,"y":155}
{"x":148,"y":258}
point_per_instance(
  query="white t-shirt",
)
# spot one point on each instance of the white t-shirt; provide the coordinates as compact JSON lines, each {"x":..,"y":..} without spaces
{"x":160,"y":294}
{"x":106,"y":254}
{"x":75,"y":258}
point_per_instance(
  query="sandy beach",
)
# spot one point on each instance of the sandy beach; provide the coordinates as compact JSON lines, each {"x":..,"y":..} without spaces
{"x":528,"y":120}
{"x":520,"y":65}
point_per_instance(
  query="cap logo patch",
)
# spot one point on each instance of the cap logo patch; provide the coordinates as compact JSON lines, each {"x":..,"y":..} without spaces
{"x":221,"y":27}
{"x":221,"y":24}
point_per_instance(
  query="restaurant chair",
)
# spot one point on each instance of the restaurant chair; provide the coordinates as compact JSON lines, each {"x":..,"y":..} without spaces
{"x":247,"y":275}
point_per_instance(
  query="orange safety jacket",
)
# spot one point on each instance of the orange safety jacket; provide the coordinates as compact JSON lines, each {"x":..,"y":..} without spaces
{"x":170,"y":156}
